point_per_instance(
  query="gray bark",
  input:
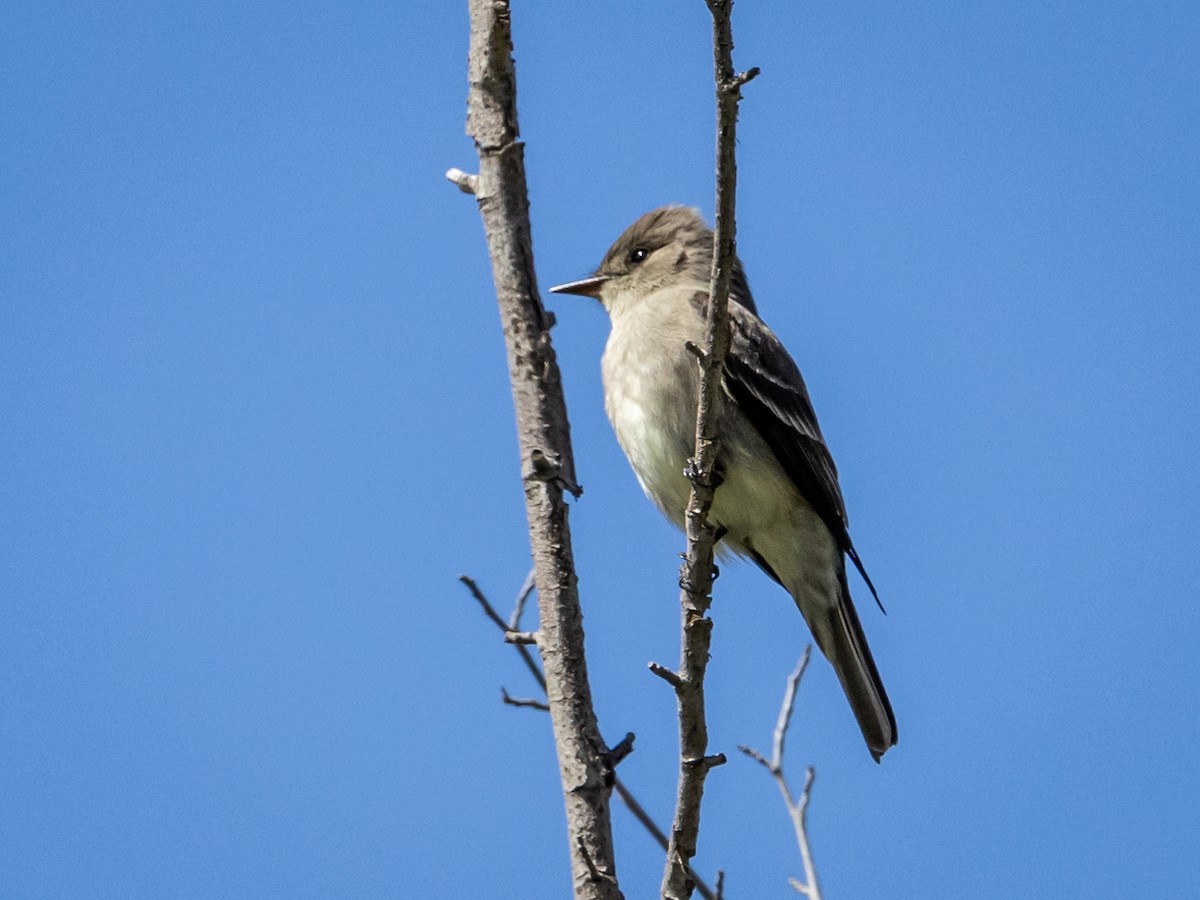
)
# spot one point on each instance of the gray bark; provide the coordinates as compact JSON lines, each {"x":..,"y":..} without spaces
{"x":696,"y":575}
{"x":543,"y":432}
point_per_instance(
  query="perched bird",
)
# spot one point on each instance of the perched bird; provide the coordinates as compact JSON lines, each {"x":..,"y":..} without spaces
{"x":778,"y":502}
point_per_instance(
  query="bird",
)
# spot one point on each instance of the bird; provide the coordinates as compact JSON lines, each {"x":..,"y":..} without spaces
{"x":778,"y":502}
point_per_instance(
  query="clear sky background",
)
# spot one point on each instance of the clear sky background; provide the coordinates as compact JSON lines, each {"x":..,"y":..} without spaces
{"x":255,"y":419}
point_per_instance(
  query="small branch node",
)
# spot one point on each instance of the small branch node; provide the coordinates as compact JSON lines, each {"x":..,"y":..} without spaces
{"x":521,"y":637}
{"x":702,"y":355}
{"x":695,"y":591}
{"x":706,"y":762}
{"x":465,"y":182}
{"x":613,"y":757}
{"x":545,"y":466}
{"x":737,"y":82}
{"x":670,"y":676}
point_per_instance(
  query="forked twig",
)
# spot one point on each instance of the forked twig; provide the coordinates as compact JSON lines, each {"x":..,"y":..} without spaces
{"x":617,"y":754}
{"x":797,"y":809}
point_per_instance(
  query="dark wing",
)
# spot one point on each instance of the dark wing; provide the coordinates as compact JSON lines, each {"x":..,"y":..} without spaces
{"x":767,"y":386}
{"x":739,"y":288}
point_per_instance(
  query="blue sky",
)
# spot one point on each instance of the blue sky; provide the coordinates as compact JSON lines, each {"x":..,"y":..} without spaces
{"x":256,"y":420}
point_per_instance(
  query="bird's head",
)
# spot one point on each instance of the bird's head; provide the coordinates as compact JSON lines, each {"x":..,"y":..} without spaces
{"x":668,"y":247}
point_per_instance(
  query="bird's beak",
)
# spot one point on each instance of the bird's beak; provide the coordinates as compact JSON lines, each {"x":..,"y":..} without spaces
{"x":588,"y":287}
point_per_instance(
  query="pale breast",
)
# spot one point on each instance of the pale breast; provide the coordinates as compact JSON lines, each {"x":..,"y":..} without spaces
{"x":650,"y":384}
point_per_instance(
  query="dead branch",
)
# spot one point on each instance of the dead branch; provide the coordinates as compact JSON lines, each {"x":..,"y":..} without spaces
{"x":523,"y":702}
{"x":514,"y":621}
{"x":618,"y":753}
{"x":698,"y":572}
{"x":797,"y":809}
{"x":490,"y":612}
{"x":543,"y":432}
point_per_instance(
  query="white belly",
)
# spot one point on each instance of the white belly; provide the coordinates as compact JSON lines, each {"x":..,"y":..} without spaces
{"x":643,"y":398}
{"x":650,"y":397}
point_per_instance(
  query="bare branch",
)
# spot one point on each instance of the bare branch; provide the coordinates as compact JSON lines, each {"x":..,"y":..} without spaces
{"x":546,"y":466}
{"x":593,"y":870}
{"x":614,"y":756}
{"x":739,"y":81}
{"x":757,"y":757}
{"x":649,"y":824}
{"x":670,"y":676}
{"x":698,"y":571}
{"x":527,"y":702}
{"x":543,"y":433}
{"x":639,"y":812}
{"x":707,"y":762}
{"x":797,"y":809}
{"x":514,"y":621}
{"x":477,"y":593}
{"x":800,"y":823}
{"x":789,"y":705}
{"x":491,"y":613}
{"x":521,"y":637}
{"x":626,"y":795}
{"x":466,"y":183}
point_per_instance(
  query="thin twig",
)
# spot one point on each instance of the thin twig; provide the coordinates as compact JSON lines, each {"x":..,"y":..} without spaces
{"x":626,"y":795}
{"x":757,"y":757}
{"x":797,"y":809}
{"x":593,"y":871}
{"x":698,"y":571}
{"x":514,"y":621}
{"x":526,"y":702}
{"x":660,"y":838}
{"x":789,"y":705}
{"x":639,"y":812}
{"x":800,"y":822}
{"x":490,"y":611}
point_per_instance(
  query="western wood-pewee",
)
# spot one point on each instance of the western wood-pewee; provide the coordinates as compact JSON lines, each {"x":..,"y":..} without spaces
{"x":778,"y":503}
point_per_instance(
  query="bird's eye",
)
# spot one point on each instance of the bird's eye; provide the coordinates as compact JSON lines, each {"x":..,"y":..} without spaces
{"x":637,"y":254}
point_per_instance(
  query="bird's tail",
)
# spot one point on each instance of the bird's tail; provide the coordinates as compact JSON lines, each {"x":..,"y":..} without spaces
{"x":840,"y":637}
